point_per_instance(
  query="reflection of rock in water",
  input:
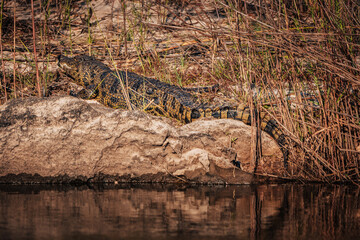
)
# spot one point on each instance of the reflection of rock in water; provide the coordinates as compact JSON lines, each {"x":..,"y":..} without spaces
{"x":256,"y":212}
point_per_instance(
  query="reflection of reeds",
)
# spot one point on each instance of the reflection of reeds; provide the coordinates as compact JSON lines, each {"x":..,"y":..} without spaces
{"x":297,"y":60}
{"x":307,"y":211}
{"x":332,"y":208}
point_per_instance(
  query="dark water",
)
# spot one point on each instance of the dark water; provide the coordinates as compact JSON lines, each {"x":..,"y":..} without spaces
{"x":174,"y":212}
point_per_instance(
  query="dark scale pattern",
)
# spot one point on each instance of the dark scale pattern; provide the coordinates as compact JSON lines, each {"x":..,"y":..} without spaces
{"x":155,"y":96}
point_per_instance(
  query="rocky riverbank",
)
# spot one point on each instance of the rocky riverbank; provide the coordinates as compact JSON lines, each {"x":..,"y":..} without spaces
{"x":65,"y":139}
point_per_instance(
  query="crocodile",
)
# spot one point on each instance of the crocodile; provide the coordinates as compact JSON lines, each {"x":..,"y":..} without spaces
{"x":154,"y":96}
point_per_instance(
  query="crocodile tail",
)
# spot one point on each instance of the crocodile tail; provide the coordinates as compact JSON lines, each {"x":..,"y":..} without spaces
{"x":267,"y":124}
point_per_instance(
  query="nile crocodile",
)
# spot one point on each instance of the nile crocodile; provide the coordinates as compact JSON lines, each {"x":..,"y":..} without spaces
{"x":152,"y":95}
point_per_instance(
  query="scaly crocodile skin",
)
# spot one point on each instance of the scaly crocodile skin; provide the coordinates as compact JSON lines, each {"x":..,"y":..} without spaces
{"x":153,"y":95}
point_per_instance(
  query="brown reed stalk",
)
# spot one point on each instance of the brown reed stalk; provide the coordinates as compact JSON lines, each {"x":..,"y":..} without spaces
{"x":2,"y":54}
{"x":45,"y":38}
{"x":124,"y":26}
{"x":14,"y":44}
{"x":34,"y":49}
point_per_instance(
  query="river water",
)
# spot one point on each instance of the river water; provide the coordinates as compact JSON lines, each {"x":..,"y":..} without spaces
{"x":178,"y":212}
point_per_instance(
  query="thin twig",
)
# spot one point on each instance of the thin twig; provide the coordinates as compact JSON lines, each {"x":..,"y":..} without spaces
{"x":1,"y":49}
{"x":34,"y":47}
{"x":14,"y":44}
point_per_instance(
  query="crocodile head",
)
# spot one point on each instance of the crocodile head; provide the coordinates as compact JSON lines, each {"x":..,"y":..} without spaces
{"x":70,"y":66}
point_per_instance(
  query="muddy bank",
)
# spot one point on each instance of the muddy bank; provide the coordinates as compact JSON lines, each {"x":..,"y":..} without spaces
{"x":65,"y":139}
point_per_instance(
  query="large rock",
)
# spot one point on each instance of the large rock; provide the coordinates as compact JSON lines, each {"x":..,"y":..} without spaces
{"x":65,"y":138}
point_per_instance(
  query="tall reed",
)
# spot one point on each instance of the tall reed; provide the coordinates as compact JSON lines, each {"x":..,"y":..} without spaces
{"x":34,"y":49}
{"x":3,"y":83}
{"x":14,"y":45}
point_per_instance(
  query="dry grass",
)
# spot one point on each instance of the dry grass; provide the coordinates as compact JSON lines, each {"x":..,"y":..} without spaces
{"x":298,"y":60}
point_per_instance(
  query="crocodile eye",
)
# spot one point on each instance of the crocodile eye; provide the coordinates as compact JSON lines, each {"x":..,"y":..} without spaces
{"x":149,"y":91}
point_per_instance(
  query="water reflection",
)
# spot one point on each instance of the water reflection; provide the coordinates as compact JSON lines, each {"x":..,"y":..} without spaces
{"x":170,"y":212}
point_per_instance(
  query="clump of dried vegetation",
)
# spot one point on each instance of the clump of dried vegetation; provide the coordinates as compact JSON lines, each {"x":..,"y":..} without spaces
{"x":297,"y":60}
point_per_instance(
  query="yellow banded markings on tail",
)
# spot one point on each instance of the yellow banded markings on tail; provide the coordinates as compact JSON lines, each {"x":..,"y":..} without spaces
{"x":220,"y":113}
{"x":244,"y":116}
{"x":187,"y":115}
{"x":216,"y":113}
{"x":224,"y":114}
{"x":201,"y":112}
{"x":208,"y":112}
{"x":272,"y":128}
{"x":270,"y":125}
